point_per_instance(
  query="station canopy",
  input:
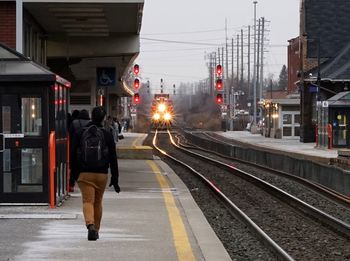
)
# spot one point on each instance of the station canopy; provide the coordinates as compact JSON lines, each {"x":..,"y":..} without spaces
{"x":14,"y":67}
{"x":341,"y":99}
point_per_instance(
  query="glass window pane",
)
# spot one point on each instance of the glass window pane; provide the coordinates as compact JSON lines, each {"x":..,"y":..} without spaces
{"x":23,"y":170}
{"x":297,"y":131}
{"x":31,"y":116}
{"x":32,"y":166}
{"x":287,"y":119}
{"x":6,"y":119}
{"x":297,"y":118}
{"x":6,"y":162}
{"x":287,"y":131}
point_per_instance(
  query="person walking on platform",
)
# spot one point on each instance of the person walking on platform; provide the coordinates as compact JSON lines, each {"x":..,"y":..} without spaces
{"x":76,"y":126}
{"x":73,"y":117}
{"x":95,"y":151}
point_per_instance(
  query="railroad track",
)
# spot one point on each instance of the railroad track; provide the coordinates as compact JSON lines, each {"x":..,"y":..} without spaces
{"x":295,"y":203}
{"x":323,"y":190}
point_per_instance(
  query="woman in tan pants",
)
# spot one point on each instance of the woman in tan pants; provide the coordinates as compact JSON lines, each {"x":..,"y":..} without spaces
{"x":93,"y":168}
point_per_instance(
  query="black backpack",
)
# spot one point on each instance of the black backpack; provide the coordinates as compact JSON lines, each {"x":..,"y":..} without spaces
{"x":93,"y":151}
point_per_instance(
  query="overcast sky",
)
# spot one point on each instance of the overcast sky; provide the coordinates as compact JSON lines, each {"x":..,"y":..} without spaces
{"x":203,"y":21}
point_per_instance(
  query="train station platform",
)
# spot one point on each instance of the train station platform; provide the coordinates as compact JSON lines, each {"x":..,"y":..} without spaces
{"x":327,"y":167}
{"x":153,"y":218}
{"x":291,"y":146}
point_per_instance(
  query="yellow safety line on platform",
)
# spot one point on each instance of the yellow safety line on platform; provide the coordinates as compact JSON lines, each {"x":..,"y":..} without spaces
{"x":135,"y":141}
{"x":182,"y":243}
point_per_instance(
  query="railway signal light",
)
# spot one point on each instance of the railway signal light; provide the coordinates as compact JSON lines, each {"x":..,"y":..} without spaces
{"x":136,"y":69}
{"x":219,"y":98}
{"x":218,"y":84}
{"x":136,"y":98}
{"x":136,"y":83}
{"x":218,"y":70}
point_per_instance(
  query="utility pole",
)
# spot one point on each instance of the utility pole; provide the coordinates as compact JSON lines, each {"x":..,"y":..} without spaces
{"x":211,"y":83}
{"x":242,"y":67}
{"x":222,"y":58}
{"x":231,"y":87}
{"x":249,"y":87}
{"x":262,"y":55}
{"x":219,"y":62}
{"x":258,"y":64}
{"x":232,"y":65}
{"x":227,"y":86}
{"x":226,"y":69}
{"x":238,"y":59}
{"x":254,"y":70}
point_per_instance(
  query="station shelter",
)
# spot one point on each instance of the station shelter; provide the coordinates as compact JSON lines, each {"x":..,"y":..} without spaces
{"x":90,"y":43}
{"x":333,"y":121}
{"x":281,"y":118}
{"x":33,"y":131}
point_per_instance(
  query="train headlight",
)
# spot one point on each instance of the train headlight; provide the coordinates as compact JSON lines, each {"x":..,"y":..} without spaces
{"x":161,"y":107}
{"x":167,"y":116}
{"x":156,"y":116}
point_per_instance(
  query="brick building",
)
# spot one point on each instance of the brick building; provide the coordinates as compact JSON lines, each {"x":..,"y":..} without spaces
{"x":325,"y":41}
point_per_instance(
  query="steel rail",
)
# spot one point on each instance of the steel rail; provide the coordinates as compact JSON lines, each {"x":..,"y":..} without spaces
{"x":330,"y":193}
{"x":319,"y":188}
{"x":233,"y":209}
{"x":302,"y":206}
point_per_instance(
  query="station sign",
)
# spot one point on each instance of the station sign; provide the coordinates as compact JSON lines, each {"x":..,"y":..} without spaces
{"x":223,"y":108}
{"x":13,"y":135}
{"x":106,"y":76}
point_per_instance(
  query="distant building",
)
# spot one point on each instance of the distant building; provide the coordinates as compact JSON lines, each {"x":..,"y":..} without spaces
{"x":324,"y":40}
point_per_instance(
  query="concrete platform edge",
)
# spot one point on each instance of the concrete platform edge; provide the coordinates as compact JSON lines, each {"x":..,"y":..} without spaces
{"x":208,"y":242}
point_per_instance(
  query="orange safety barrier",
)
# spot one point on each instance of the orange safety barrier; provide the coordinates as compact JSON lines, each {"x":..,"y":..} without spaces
{"x":69,"y":189}
{"x":52,"y":166}
{"x":330,"y":134}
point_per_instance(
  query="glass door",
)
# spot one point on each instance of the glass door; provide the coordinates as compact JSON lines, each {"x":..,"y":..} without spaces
{"x":340,"y":127}
{"x":291,"y":124}
{"x":23,"y":156}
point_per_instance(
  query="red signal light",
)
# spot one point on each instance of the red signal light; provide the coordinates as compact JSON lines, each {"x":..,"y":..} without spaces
{"x":136,"y":69}
{"x":219,"y":84}
{"x":136,"y":83}
{"x":218,"y":70}
{"x":219,"y":98}
{"x":136,"y":98}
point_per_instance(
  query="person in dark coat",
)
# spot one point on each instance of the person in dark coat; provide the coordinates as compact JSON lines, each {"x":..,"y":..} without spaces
{"x":92,"y":180}
{"x":77,"y":125}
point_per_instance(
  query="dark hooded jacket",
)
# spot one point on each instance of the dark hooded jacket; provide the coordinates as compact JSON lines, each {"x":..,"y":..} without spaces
{"x":76,"y":168}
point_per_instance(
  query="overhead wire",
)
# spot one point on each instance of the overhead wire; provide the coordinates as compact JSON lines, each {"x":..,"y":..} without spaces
{"x":193,"y":32}
{"x":178,"y":42}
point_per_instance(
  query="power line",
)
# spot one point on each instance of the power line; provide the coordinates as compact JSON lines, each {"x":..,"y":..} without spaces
{"x":175,"y":75}
{"x":173,"y":50}
{"x":193,"y":32}
{"x":180,"y":42}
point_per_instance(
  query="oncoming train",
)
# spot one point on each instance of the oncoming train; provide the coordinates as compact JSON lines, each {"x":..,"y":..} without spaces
{"x":162,"y":111}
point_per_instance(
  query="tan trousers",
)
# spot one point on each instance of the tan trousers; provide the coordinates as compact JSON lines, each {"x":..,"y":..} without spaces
{"x":92,"y":187}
